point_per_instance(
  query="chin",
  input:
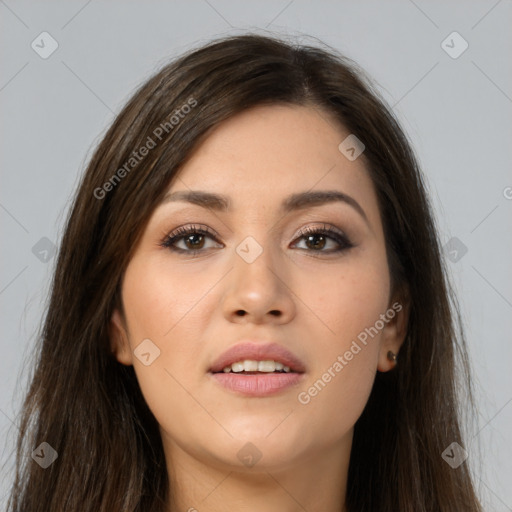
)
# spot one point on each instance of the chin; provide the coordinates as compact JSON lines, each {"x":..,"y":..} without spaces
{"x":270,"y":442}
{"x":249,"y":456}
{"x":272,"y":427}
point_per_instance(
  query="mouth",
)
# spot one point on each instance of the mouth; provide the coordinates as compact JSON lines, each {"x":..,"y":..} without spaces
{"x":257,"y":370}
{"x":254,"y":367}
{"x":257,"y":357}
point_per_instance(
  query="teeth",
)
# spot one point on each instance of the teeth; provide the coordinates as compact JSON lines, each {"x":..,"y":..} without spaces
{"x":250,"y":365}
{"x":266,"y":366}
{"x":238,"y":367}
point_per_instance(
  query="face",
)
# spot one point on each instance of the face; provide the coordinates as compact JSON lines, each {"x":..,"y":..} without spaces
{"x":311,"y":277}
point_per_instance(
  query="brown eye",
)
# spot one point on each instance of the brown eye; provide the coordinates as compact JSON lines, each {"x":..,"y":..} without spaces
{"x":195,"y":240}
{"x":192,"y":237}
{"x":316,"y":239}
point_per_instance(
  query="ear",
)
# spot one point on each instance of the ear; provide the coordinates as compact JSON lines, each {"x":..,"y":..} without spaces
{"x":395,"y":330}
{"x":119,"y":343}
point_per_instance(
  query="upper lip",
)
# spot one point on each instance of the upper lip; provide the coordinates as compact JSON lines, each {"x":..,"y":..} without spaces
{"x":259,"y":351}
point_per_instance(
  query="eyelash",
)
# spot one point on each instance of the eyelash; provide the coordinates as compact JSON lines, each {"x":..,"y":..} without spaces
{"x":181,"y":232}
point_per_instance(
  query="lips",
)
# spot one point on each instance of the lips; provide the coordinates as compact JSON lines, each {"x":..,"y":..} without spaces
{"x":259,"y":351}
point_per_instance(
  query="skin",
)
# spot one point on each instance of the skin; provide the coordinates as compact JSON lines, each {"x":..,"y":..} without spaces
{"x":312,"y":302}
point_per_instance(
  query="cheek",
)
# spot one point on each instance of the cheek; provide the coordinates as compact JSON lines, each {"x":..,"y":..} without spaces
{"x":344,"y":361}
{"x":348,"y":300}
{"x":153,"y":301}
{"x":171,"y":311}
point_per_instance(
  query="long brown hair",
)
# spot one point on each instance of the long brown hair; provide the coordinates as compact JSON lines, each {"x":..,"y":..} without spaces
{"x":89,"y":408}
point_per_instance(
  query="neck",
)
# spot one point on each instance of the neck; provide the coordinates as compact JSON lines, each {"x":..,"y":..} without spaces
{"x":311,"y":482}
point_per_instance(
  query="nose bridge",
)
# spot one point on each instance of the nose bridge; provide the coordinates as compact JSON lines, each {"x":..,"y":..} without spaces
{"x":257,"y":286}
{"x":255,"y":263}
{"x":258,"y":242}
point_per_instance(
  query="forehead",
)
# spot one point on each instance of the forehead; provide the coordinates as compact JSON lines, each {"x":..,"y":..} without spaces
{"x":262,"y":156}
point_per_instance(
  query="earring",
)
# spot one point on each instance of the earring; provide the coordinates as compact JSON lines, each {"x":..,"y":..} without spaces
{"x":392,"y":356}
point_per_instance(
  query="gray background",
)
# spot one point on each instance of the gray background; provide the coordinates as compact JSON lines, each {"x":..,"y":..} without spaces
{"x":457,"y":112}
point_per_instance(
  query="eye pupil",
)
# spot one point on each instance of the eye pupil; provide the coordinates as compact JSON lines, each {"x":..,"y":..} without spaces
{"x":189,"y":238}
{"x":321,"y":245}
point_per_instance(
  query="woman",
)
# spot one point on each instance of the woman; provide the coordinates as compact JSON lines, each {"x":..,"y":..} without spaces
{"x":250,"y":309}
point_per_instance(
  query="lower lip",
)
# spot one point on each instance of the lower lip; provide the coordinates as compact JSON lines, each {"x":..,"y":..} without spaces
{"x":257,"y":384}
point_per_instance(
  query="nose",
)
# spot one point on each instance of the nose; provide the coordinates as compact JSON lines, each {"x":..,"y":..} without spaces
{"x":258,"y":291}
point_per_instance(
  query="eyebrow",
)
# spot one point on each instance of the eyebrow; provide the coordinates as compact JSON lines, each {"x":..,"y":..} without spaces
{"x":294,"y":202}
